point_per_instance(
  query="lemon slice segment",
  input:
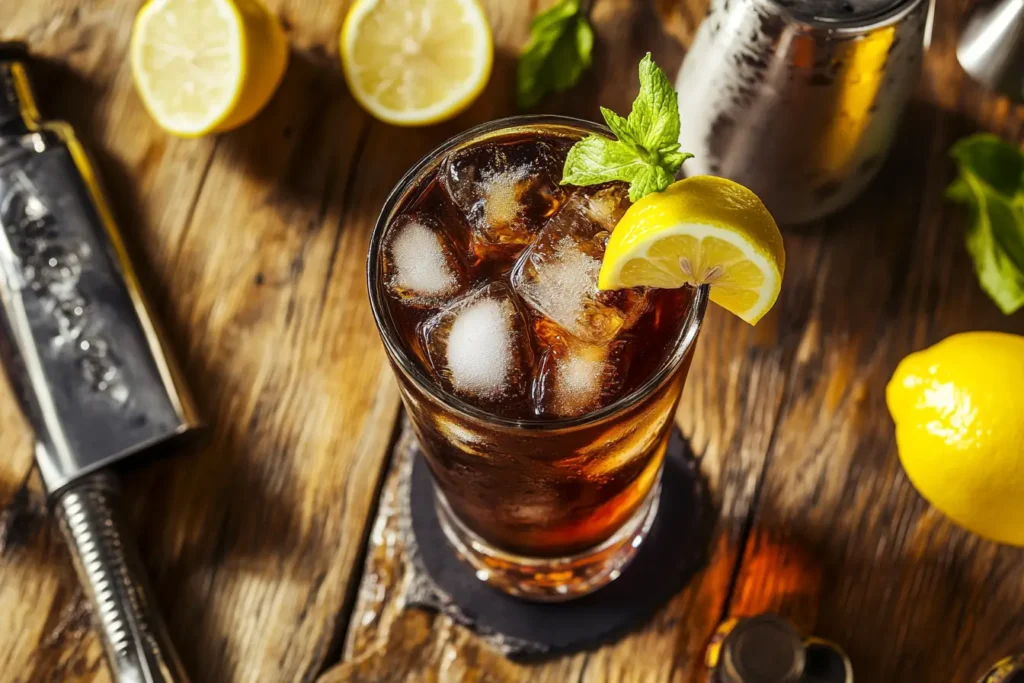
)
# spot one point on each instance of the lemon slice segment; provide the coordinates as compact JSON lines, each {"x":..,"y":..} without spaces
{"x":203,"y":66}
{"x":702,"y":230}
{"x":416,"y":62}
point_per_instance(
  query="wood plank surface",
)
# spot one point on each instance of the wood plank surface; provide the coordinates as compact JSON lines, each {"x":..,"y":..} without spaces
{"x":814,"y":517}
{"x":252,"y":244}
{"x":841,"y":542}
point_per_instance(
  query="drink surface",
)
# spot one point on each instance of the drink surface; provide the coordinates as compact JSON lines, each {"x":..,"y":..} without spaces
{"x":491,"y":270}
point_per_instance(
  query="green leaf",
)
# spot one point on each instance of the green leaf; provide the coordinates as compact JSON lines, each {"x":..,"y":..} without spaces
{"x":655,"y":114}
{"x":596,"y":159}
{"x":991,"y":184}
{"x":556,"y":54}
{"x":620,"y":127}
{"x":992,"y":161}
{"x":646,"y":154}
{"x":673,"y":160}
{"x":649,"y":179}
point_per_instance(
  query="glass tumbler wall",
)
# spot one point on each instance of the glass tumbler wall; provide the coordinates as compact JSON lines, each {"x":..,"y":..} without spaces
{"x":543,"y":407}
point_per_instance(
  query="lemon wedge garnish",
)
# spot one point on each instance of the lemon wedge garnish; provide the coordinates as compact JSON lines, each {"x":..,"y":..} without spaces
{"x":206,"y":66}
{"x":416,"y":62}
{"x":702,"y":230}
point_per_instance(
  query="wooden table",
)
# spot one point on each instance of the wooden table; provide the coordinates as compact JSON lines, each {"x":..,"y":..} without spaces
{"x":273,"y":547}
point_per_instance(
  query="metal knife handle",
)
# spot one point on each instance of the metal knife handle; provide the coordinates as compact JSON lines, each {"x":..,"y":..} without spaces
{"x":134,"y":638}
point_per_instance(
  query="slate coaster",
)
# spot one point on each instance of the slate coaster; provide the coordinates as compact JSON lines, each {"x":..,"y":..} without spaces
{"x":675,"y":549}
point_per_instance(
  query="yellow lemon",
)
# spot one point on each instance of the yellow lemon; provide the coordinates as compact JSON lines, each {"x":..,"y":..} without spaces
{"x":702,"y":230}
{"x":960,"y":430}
{"x":416,"y":62}
{"x":206,"y":66}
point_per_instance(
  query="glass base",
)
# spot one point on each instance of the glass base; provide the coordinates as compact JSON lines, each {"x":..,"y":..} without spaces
{"x":550,"y":579}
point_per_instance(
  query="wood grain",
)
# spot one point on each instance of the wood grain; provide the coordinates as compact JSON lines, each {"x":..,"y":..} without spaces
{"x":841,"y":542}
{"x":814,"y":516}
{"x":252,"y":245}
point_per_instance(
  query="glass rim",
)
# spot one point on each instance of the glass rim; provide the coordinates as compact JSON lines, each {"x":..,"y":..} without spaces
{"x":853,"y":27}
{"x":397,"y":351}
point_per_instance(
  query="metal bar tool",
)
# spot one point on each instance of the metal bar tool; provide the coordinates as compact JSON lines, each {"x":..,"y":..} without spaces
{"x":991,"y":47}
{"x":92,"y":376}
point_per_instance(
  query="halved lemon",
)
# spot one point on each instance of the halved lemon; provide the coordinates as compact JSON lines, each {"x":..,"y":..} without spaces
{"x":206,"y":66}
{"x":702,"y":230}
{"x":416,"y":62}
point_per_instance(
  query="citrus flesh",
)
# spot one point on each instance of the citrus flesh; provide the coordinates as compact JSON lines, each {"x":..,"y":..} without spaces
{"x":206,"y":66}
{"x":416,"y":62}
{"x":701,"y":230}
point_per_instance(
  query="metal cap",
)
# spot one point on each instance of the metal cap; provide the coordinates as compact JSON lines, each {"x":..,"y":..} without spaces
{"x":991,"y":48}
{"x":1009,"y":670}
{"x":763,"y":649}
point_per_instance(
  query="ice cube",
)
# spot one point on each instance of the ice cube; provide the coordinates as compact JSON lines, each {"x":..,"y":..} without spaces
{"x":506,"y":191}
{"x":420,"y":264}
{"x":479,"y":345}
{"x":575,"y":377}
{"x":557,"y":276}
{"x":603,"y":205}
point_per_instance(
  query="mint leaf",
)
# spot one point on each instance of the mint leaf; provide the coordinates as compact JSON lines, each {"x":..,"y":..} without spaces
{"x":992,"y":161}
{"x":596,"y":159}
{"x":557,"y":53}
{"x":646,"y":154}
{"x":991,"y":185}
{"x":673,"y":160}
{"x":620,"y":127}
{"x":648,"y":180}
{"x":655,"y":115}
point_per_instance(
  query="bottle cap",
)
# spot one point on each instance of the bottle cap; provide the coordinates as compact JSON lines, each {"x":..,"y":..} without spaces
{"x":1009,"y":670}
{"x":762,"y":649}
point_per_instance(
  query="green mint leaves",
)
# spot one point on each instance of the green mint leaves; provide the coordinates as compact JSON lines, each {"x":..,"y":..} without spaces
{"x":991,"y":184}
{"x":646,"y":154}
{"x":557,"y":53}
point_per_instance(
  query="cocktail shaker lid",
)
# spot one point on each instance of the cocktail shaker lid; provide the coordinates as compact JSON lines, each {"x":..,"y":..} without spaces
{"x":991,"y":47}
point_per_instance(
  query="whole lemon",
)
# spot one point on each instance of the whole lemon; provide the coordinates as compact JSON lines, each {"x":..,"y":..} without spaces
{"x":959,"y":413}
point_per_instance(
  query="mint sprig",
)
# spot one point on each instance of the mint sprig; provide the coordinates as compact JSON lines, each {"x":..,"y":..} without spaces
{"x":646,"y":154}
{"x":557,"y":53}
{"x":991,"y":185}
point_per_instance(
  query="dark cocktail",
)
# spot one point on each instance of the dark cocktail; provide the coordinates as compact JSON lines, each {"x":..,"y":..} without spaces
{"x":542,"y":404}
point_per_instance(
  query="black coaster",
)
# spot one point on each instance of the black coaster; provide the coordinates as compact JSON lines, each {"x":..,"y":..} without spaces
{"x":671,"y":554}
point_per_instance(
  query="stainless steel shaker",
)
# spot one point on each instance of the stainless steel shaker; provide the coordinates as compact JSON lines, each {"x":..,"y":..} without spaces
{"x":799,"y":99}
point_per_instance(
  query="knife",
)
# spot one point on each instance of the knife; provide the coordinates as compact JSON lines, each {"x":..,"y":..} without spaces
{"x":91,"y":373}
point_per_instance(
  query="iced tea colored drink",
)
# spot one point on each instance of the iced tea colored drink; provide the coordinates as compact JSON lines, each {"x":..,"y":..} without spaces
{"x":543,"y":405}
